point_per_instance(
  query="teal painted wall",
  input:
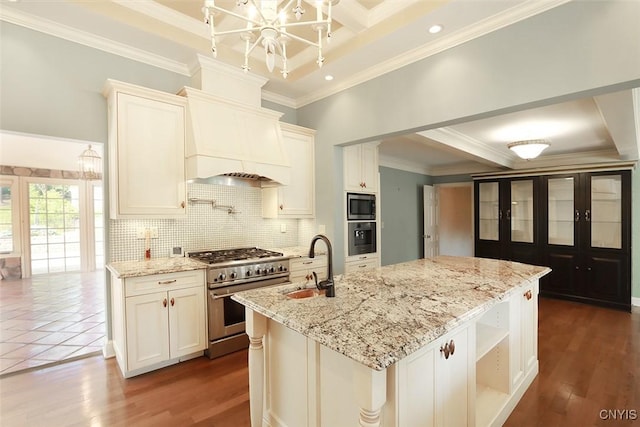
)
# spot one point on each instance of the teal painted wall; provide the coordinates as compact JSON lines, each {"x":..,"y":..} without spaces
{"x":401,"y":206}
{"x":290,"y":116}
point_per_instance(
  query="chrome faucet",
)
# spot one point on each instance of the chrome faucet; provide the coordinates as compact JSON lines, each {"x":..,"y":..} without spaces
{"x":327,"y":284}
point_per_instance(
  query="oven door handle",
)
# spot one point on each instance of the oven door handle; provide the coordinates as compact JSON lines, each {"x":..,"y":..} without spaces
{"x":215,"y":296}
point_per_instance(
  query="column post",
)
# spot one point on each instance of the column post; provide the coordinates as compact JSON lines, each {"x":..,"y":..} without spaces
{"x":256,"y":327}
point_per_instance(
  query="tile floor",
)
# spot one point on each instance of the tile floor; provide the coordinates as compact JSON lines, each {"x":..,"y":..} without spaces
{"x":50,"y":318}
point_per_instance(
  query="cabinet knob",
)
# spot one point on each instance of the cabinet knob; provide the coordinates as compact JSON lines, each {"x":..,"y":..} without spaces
{"x":164,"y":302}
{"x":528,"y":295}
{"x":448,"y":349}
{"x":281,"y":207}
{"x":364,"y":184}
{"x":182,"y":205}
{"x":587,"y":215}
{"x":172,"y":302}
{"x":577,"y":215}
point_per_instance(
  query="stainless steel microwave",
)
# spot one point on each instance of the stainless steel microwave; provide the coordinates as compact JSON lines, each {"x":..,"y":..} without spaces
{"x":361,"y":207}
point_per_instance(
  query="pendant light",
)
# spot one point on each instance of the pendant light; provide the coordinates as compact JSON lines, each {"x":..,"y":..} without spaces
{"x":90,"y":165}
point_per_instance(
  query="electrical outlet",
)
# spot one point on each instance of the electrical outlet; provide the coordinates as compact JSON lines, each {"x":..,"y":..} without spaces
{"x":141,"y":232}
{"x":283,"y":228}
{"x":154,"y":232}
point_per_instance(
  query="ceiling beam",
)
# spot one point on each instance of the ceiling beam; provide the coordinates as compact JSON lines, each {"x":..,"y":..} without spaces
{"x":462,"y":142}
{"x":620,"y":112}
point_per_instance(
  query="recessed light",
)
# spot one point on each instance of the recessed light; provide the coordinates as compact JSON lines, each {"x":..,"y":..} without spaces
{"x":435,"y":28}
{"x":328,"y":77}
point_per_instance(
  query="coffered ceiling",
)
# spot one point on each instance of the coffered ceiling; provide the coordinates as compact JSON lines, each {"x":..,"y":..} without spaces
{"x":370,"y":38}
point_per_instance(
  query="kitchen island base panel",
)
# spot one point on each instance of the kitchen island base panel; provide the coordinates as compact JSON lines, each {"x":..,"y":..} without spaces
{"x":295,"y":380}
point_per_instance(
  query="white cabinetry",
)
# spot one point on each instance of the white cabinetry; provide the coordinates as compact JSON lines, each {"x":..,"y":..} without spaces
{"x":301,"y":269}
{"x":434,"y":387}
{"x":146,"y":152}
{"x":361,"y":262}
{"x":361,"y":168}
{"x":158,"y":320}
{"x":296,"y":200}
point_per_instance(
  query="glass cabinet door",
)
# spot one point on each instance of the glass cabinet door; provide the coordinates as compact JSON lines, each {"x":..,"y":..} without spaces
{"x":605,"y":214}
{"x":561,"y":211}
{"x":489,"y":219}
{"x":521,"y":211}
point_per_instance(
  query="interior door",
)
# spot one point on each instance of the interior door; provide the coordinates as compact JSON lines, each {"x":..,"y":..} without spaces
{"x":430,"y":237}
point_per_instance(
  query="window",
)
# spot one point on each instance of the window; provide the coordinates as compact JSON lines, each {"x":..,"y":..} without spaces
{"x":9,"y":222}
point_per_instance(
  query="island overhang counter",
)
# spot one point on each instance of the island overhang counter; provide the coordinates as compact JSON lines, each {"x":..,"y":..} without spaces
{"x":402,"y":345}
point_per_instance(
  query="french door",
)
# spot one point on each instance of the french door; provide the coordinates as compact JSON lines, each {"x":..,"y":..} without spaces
{"x":64,"y":226}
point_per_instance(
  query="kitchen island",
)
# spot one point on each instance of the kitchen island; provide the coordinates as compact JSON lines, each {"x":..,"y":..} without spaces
{"x":444,"y":341}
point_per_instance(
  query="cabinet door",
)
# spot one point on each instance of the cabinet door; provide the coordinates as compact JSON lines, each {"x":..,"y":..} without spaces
{"x":529,"y":319}
{"x":453,"y":377}
{"x":148,"y":163}
{"x":352,"y":168}
{"x":417,"y":389}
{"x":147,"y":330}
{"x":187,"y":325}
{"x":296,"y":200}
{"x":369,"y":156}
{"x":603,"y":213}
{"x":360,"y":265}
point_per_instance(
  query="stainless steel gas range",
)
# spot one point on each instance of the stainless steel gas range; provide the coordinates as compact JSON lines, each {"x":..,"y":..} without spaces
{"x":231,"y":271}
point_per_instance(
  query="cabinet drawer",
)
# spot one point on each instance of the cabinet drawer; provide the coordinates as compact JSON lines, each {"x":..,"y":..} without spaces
{"x":306,"y":263}
{"x":359,"y":265}
{"x":163,"y":282}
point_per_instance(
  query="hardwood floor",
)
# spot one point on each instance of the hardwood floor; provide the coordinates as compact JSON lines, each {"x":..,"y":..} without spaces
{"x":589,"y":361}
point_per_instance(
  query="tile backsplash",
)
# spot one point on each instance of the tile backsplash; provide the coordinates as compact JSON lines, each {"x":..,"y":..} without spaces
{"x":209,"y":228}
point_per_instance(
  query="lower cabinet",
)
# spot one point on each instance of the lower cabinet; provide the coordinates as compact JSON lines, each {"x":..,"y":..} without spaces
{"x":360,"y":263}
{"x":301,"y":269}
{"x":435,"y":383}
{"x":158,"y":320}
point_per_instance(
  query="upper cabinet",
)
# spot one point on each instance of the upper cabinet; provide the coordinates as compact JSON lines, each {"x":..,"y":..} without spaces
{"x":361,"y":168}
{"x":296,"y":200}
{"x":146,"y":152}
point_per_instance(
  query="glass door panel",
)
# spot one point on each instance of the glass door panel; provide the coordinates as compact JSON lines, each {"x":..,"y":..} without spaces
{"x":521,"y":212}
{"x":606,"y":211}
{"x":489,"y":220}
{"x":561,"y":210}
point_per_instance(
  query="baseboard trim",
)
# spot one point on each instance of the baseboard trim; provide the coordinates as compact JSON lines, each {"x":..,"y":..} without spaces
{"x":107,"y":350}
{"x":635,"y":301}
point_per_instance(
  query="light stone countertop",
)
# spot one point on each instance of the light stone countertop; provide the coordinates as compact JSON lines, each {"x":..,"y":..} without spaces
{"x":382,"y":315}
{"x":124,"y":269}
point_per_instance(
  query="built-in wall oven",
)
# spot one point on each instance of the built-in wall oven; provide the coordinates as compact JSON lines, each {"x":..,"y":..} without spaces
{"x":232,"y":271}
{"x":361,"y":237}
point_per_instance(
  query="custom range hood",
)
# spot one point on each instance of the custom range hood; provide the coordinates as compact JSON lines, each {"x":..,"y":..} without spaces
{"x":228,"y":132}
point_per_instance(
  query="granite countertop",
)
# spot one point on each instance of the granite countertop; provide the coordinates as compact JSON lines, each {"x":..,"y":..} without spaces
{"x":382,"y":315}
{"x":124,"y":269}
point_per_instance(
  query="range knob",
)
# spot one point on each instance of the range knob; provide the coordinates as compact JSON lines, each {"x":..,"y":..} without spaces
{"x":249,"y":273}
{"x":272,"y":270}
{"x":233,"y":275}
{"x":258,"y":271}
{"x":222,"y":276}
{"x":281,"y":267}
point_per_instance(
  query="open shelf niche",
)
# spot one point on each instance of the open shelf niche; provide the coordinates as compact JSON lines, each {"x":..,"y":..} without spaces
{"x":492,"y":363}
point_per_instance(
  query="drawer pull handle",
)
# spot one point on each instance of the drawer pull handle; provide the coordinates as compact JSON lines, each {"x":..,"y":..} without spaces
{"x":448,"y":349}
{"x":166,"y":282}
{"x":362,"y":266}
{"x":307,"y":262}
{"x":164,"y":302}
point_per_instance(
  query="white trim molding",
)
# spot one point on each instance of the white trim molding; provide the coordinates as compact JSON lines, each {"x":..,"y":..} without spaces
{"x":635,"y":301}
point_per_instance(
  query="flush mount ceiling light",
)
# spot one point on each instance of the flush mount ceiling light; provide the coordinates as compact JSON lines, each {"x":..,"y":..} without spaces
{"x":434,"y":29}
{"x":529,"y":149}
{"x":263,"y":24}
{"x":89,"y":165}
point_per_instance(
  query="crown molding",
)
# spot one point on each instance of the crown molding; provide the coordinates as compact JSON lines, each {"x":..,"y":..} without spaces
{"x":464,"y":168}
{"x":90,"y":40}
{"x":501,"y":20}
{"x":279,"y":99}
{"x":166,"y":15}
{"x":570,"y":159}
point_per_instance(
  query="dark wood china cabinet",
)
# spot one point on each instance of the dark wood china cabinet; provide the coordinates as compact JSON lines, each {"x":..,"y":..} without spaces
{"x":578,"y":224}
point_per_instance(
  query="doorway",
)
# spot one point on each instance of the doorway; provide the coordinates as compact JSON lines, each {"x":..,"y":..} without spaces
{"x":455,"y":219}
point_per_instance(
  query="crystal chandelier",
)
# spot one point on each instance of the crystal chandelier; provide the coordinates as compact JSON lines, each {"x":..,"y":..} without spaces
{"x":267,"y":26}
{"x":90,"y":165}
{"x":529,"y":149}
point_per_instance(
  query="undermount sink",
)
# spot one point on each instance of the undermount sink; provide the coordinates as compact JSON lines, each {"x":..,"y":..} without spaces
{"x":304,"y":293}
